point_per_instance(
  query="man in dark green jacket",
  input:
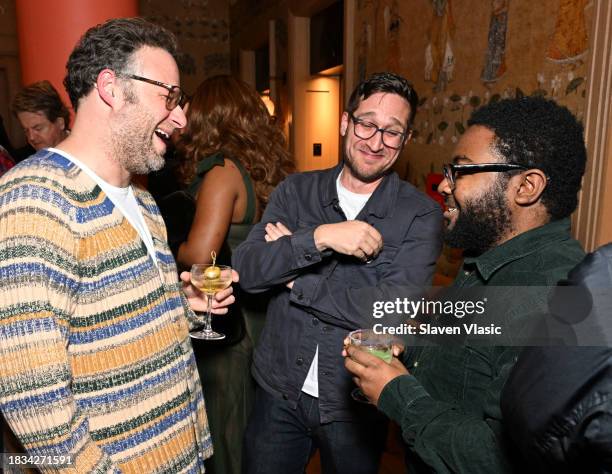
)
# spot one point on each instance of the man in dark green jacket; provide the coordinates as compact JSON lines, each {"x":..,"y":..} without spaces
{"x":510,"y":190}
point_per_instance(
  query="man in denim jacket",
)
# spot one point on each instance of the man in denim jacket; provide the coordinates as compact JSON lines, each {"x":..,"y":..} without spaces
{"x":324,"y":236}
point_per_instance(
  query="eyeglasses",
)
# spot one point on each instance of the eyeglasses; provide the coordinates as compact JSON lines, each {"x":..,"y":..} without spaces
{"x":366,"y":130}
{"x":451,"y":170}
{"x":175,"y":96}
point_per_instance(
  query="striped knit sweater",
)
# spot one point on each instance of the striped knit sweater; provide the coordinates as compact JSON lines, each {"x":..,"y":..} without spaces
{"x":95,"y":356}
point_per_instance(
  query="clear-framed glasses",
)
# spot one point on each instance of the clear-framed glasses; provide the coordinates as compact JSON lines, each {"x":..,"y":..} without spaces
{"x":451,"y":171}
{"x":175,"y":96}
{"x":365,"y":130}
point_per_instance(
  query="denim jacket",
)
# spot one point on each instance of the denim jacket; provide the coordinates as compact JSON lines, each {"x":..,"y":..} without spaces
{"x":314,"y":311}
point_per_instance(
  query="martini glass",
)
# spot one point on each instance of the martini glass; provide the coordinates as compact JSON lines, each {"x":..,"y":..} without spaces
{"x":379,"y":345}
{"x":209,"y":279}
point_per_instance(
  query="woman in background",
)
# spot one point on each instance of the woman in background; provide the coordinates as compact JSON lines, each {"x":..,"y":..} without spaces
{"x":232,"y":156}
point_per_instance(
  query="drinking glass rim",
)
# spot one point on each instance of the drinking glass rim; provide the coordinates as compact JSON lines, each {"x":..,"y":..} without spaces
{"x":384,"y":338}
{"x":210,"y":264}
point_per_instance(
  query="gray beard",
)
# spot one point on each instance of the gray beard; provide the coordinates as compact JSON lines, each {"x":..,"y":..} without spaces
{"x":132,"y":143}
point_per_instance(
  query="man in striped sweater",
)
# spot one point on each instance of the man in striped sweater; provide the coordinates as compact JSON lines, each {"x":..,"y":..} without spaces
{"x":95,"y":357}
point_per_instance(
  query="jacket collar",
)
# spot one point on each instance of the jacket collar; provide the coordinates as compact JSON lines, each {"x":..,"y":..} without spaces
{"x":520,"y":246}
{"x":380,"y":203}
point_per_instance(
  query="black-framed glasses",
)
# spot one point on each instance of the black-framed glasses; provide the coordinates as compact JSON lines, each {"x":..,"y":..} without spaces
{"x":366,"y":130}
{"x":451,"y":171}
{"x":175,"y":96}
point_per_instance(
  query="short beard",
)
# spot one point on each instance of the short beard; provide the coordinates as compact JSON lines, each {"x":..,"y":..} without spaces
{"x":482,"y":222}
{"x":364,"y":178}
{"x":131,"y":139}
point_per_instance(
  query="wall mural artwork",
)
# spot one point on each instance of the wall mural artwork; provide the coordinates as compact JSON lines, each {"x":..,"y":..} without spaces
{"x":569,"y":42}
{"x":439,"y":57}
{"x":393,"y":21}
{"x":216,"y":63}
{"x":202,"y":30}
{"x":186,"y":64}
{"x":495,"y":59}
{"x":198,"y":27}
{"x":456,"y":82}
{"x":442,"y":118}
{"x":364,"y":44}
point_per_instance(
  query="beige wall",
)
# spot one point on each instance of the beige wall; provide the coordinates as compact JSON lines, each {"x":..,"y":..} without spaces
{"x":321,"y":97}
{"x":309,"y":107}
{"x":315,"y":104}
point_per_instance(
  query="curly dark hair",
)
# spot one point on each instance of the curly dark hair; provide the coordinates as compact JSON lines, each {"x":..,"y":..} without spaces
{"x":539,"y":133}
{"x":111,"y":45}
{"x":226,"y":115}
{"x":384,"y":82}
{"x":41,"y":97}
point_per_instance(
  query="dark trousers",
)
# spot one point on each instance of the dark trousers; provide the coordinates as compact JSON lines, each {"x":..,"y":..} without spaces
{"x":280,"y":440}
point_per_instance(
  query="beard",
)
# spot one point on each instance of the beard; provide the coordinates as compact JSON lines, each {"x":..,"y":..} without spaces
{"x":132,"y":140}
{"x":361,"y":174}
{"x":481,"y":222}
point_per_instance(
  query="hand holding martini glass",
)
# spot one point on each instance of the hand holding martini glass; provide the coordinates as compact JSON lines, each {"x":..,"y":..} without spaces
{"x":210,"y":278}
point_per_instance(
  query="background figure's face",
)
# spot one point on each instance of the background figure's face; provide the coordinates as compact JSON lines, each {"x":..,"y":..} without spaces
{"x":142,"y":128}
{"x":478,"y":215}
{"x":368,"y":160}
{"x":40,"y":131}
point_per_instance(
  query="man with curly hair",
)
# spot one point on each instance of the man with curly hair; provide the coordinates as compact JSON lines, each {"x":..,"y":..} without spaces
{"x":96,"y":364}
{"x":510,"y":190}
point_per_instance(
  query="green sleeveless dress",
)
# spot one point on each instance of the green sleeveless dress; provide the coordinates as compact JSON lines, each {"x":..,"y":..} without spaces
{"x":224,"y":366}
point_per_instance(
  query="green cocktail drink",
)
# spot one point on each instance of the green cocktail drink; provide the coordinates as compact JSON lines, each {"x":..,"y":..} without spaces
{"x":382,"y":352}
{"x":379,"y":345}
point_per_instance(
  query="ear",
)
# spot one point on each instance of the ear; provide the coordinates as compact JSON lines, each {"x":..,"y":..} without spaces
{"x":344,"y":123}
{"x":106,"y":85}
{"x":408,"y":137}
{"x":61,"y":122}
{"x":531,"y":186}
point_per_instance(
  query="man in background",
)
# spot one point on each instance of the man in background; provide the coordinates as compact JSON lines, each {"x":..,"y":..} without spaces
{"x":42,"y":115}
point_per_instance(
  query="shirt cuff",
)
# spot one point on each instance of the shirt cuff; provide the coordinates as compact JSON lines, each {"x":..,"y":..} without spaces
{"x":304,"y":288}
{"x":399,"y":394}
{"x":304,"y":248}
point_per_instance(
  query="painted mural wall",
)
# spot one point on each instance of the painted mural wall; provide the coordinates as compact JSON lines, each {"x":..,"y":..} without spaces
{"x":461,"y":54}
{"x":202,"y":29}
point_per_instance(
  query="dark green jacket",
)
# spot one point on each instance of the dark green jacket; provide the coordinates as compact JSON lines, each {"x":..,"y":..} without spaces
{"x":448,"y":407}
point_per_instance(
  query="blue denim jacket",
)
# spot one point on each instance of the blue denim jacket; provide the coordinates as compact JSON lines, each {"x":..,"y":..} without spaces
{"x":315,"y":311}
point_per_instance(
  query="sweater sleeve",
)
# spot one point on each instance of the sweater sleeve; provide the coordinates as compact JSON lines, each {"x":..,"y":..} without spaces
{"x":39,"y":278}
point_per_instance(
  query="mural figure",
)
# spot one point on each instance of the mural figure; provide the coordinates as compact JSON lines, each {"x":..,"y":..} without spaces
{"x":393,"y":20}
{"x":439,"y":57}
{"x":569,"y":42}
{"x":495,"y":59}
{"x":363,"y":48}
